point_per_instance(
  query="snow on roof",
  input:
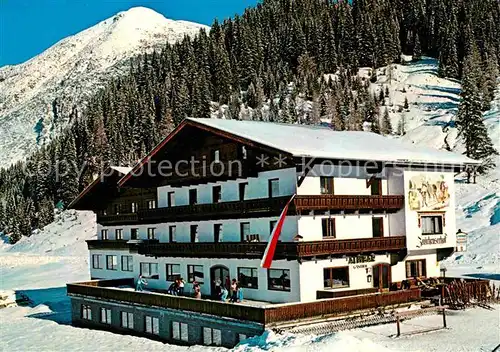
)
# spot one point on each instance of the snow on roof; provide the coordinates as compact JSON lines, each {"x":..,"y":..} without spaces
{"x":122,"y":169}
{"x":323,"y":142}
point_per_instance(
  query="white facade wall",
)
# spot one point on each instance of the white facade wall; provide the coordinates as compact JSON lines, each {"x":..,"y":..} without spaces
{"x":257,"y":188}
{"x":260,"y":294}
{"x":431,"y":263}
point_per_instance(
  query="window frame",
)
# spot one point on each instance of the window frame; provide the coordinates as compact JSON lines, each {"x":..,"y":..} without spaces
{"x":381,"y":227}
{"x":104,"y":234}
{"x":211,"y":336}
{"x":127,"y":323}
{"x":332,"y":286}
{"x":172,"y":234}
{"x":327,"y":185}
{"x":216,"y":155}
{"x":441,"y":223}
{"x":170,"y":276}
{"x":216,"y":194}
{"x":86,"y":312}
{"x":114,"y":262}
{"x":106,"y":315}
{"x":136,"y":231}
{"x":252,"y":271}
{"x":133,"y":207}
{"x":193,"y":200}
{"x":275,"y":288}
{"x":242,"y":190}
{"x":328,"y":228}
{"x":150,"y":265}
{"x":218,"y":232}
{"x":118,"y":209}
{"x":194,"y":233}
{"x":151,"y":204}
{"x":272,"y":225}
{"x":178,"y":327}
{"x":171,"y":199}
{"x":151,"y":233}
{"x":416,"y":262}
{"x":152,"y":330}
{"x":99,"y":261}
{"x":243,"y":235}
{"x":129,"y":261}
{"x":191,"y":273}
{"x":270,"y":183}
{"x":120,"y":232}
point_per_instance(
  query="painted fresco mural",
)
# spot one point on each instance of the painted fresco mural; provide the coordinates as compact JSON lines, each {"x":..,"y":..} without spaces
{"x":428,"y":192}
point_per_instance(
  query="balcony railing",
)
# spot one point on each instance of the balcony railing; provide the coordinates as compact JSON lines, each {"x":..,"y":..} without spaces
{"x":350,"y":203}
{"x":270,"y":314}
{"x":256,"y":208}
{"x":284,"y":250}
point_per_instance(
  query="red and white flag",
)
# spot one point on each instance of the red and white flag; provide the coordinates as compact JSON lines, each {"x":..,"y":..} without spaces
{"x":267,"y":259}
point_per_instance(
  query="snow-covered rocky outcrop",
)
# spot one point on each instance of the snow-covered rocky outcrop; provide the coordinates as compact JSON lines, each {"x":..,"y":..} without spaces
{"x":37,"y":95}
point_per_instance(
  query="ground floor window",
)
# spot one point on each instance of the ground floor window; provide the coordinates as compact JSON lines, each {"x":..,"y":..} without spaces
{"x":111,"y":262}
{"x":415,"y":268}
{"x":173,"y":272}
{"x":212,"y":337}
{"x":86,"y":312}
{"x":195,"y":273}
{"x":97,"y":261}
{"x":248,"y":277}
{"x":278,"y":279}
{"x":336,"y":277}
{"x":152,"y":325}
{"x":127,"y":320}
{"x":127,"y":263}
{"x":179,"y":331}
{"x":105,"y":315}
{"x":150,"y":270}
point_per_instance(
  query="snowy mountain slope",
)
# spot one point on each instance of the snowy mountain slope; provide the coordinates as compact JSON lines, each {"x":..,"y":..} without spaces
{"x":70,"y":71}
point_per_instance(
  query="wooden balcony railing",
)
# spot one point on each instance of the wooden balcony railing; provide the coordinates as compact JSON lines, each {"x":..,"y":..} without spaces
{"x":107,"y":244}
{"x":270,"y":314}
{"x":118,"y":219}
{"x":284,"y":250}
{"x":343,"y":202}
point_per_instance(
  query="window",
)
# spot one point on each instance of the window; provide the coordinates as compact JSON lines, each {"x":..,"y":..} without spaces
{"x":274,"y":187}
{"x":248,"y":277}
{"x":195,"y":273}
{"x":151,"y":204}
{"x":171,"y":199}
{"x":171,"y":233}
{"x":272,"y":224}
{"x":97,"y":261}
{"x":173,"y":272}
{"x":216,"y":155}
{"x":378,"y":227}
{"x":217,"y":232}
{"x":216,"y":194}
{"x":193,"y":196}
{"x":326,"y":185}
{"x":134,"y":234}
{"x":127,"y":263}
{"x":242,"y":337}
{"x":376,"y":187}
{"x":133,"y":207}
{"x":336,"y":277}
{"x":415,"y":268}
{"x":151,"y":233}
{"x":211,"y":337}
{"x":111,"y":262}
{"x":278,"y":279}
{"x":127,"y":320}
{"x":179,"y":331}
{"x":106,"y":316}
{"x":86,"y":312}
{"x":119,"y":234}
{"x":432,"y":225}
{"x":152,"y":325}
{"x":242,"y":190}
{"x":328,"y":225}
{"x":244,"y":230}
{"x":104,"y":235}
{"x":117,"y":209}
{"x":150,"y":270}
{"x":193,"y":229}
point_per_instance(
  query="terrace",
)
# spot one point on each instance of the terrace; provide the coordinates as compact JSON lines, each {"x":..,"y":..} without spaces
{"x":121,"y":290}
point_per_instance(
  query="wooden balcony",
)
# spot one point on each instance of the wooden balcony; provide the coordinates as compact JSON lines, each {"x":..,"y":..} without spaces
{"x":265,"y":315}
{"x":284,"y":250}
{"x":118,"y":219}
{"x":330,"y":202}
{"x":107,"y":244}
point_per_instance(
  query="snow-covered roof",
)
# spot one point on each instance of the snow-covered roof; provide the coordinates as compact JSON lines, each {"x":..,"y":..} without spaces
{"x":122,"y":169}
{"x":323,"y":142}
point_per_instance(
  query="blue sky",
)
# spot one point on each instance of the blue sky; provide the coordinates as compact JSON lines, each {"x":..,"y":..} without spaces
{"x":28,"y":27}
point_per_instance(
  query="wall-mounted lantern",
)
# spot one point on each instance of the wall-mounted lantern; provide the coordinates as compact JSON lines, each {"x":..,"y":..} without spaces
{"x":368,"y":278}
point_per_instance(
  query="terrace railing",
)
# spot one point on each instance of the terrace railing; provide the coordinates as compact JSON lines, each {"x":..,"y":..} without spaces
{"x":348,"y":203}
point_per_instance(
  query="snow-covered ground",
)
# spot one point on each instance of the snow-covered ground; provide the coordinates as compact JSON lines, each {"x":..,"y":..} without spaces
{"x":41,"y":265}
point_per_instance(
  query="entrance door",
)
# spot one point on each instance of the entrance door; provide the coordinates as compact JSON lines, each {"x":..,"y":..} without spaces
{"x":218,"y":273}
{"x":381,"y":276}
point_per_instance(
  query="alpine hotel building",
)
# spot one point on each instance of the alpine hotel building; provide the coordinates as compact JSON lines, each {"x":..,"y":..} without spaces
{"x":369,"y":212}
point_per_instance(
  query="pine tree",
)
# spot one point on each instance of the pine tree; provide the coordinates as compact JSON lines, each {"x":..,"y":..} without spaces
{"x":406,"y":106}
{"x":2,"y":217}
{"x":68,"y":173}
{"x":470,"y":122}
{"x":402,"y":125}
{"x":386,"y":127}
{"x":417,"y":49}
